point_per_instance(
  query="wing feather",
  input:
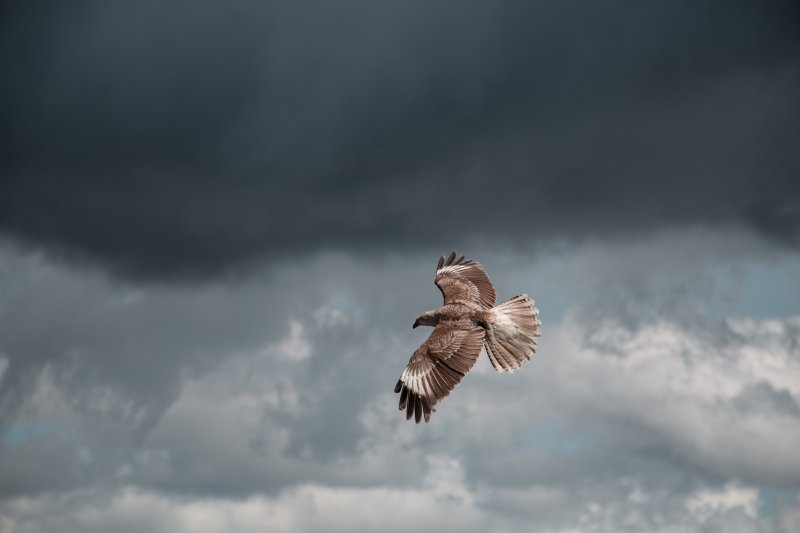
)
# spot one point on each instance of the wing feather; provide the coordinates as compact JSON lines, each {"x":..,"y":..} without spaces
{"x":464,"y":280}
{"x":436,"y":367}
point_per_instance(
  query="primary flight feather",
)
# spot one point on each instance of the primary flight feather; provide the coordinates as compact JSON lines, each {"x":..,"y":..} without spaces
{"x":467,"y":320}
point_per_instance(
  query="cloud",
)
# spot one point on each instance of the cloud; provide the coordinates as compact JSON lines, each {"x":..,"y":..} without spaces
{"x":250,"y":199}
{"x":294,"y":346}
{"x":444,"y":503}
{"x":222,"y":136}
{"x":100,"y":364}
{"x":663,"y":424}
{"x":706,"y":503}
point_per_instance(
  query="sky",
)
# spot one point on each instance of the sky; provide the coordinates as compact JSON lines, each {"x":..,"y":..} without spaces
{"x":219,"y":220}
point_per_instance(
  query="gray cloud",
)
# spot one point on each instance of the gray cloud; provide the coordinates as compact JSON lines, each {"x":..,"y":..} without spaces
{"x":633,"y":167}
{"x":92,"y":365}
{"x":176,"y":139}
{"x":275,"y":391}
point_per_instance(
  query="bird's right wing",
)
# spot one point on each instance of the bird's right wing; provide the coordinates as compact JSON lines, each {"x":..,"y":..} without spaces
{"x":464,"y":280}
{"x":436,"y":368}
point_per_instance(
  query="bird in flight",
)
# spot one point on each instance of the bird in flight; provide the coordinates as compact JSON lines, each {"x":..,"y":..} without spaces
{"x":467,"y":320}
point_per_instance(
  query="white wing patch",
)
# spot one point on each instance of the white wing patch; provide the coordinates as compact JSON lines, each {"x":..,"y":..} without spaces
{"x":416,"y":383}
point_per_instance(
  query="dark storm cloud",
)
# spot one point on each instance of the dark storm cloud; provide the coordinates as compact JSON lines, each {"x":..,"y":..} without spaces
{"x":186,"y":137}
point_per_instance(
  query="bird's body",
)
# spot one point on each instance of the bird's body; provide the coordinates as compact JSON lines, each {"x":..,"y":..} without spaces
{"x":467,"y":320}
{"x":460,"y":315}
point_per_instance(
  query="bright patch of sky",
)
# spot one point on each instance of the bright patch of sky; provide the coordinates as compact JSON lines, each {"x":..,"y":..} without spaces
{"x":759,"y":290}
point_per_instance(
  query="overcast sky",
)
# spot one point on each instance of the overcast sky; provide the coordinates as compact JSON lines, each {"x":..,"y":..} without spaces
{"x":218,"y":221}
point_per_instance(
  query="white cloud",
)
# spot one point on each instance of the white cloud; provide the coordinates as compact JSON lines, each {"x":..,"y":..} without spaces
{"x":707,"y":502}
{"x":693,"y":391}
{"x":295,"y":346}
{"x":442,"y":503}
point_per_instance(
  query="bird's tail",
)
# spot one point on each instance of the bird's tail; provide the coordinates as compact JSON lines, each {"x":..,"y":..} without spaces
{"x":511,"y":335}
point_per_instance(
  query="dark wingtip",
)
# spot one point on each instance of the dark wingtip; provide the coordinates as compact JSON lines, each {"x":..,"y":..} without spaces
{"x":451,"y":257}
{"x":398,"y":386}
{"x":403,"y":398}
{"x":441,"y":263}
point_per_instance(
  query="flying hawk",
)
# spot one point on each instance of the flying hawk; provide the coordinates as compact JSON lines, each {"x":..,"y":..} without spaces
{"x":467,"y":320}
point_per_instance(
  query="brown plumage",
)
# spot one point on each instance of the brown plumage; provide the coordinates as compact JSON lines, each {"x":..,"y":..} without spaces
{"x":467,"y":320}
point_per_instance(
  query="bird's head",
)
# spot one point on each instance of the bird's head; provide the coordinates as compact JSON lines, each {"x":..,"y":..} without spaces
{"x":428,"y":318}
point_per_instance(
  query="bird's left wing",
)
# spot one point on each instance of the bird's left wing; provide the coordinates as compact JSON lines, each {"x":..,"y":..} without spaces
{"x":436,"y":368}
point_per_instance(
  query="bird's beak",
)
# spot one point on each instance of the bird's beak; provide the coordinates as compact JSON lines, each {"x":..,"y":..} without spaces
{"x":416,"y":323}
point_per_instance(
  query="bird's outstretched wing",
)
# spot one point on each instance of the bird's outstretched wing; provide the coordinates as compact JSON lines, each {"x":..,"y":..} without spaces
{"x":436,"y":368}
{"x":463,"y":280}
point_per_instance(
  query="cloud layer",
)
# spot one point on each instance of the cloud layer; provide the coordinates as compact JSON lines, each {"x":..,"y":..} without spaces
{"x":181,"y":139}
{"x":270,"y":406}
{"x":218,"y":222}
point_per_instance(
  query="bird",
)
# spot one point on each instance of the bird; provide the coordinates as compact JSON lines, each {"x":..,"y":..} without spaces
{"x":468,"y":320}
